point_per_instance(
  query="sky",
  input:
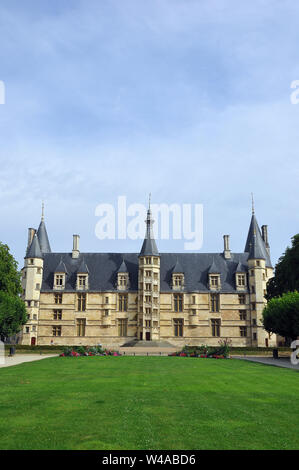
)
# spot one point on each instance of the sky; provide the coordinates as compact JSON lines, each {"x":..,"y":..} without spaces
{"x":189,"y":100}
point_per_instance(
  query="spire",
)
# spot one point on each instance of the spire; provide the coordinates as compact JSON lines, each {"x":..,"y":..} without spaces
{"x":123,"y":267}
{"x":252,"y":203}
{"x":213,"y":269}
{"x":149,"y":246}
{"x":34,"y":250}
{"x":255,"y":245}
{"x":42,"y":234}
{"x":61,"y":268}
{"x":83,"y":269}
{"x":177,"y":268}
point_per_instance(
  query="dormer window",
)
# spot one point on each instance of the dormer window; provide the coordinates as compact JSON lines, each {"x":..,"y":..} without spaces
{"x":177,"y":281}
{"x":82,"y":281}
{"x":214,"y":281}
{"x":59,"y":282}
{"x":122,"y":281}
{"x":241,"y":280}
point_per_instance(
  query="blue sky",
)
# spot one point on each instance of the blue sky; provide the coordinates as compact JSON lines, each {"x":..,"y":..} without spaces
{"x":188,"y":100}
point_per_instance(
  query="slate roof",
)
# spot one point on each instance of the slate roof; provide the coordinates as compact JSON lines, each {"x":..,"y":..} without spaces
{"x":43,"y":238}
{"x":61,"y":268}
{"x":123,"y":268}
{"x":103,"y":268}
{"x":34,"y":250}
{"x":83,"y":268}
{"x":255,"y":245}
{"x":177,"y":268}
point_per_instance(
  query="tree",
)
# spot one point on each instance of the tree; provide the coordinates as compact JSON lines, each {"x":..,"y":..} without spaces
{"x":13,"y":313}
{"x":281,"y":315}
{"x":286,"y":277}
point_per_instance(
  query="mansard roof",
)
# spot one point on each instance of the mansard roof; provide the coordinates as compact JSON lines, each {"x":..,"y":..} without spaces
{"x":34,"y":250}
{"x":103,"y":269}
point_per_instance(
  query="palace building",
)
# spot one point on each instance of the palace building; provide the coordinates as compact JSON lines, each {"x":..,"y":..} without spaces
{"x":114,"y":298}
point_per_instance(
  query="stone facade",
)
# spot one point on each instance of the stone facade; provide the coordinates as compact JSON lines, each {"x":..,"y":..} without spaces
{"x":154,"y":302}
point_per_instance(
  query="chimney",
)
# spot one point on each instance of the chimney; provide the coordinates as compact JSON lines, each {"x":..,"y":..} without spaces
{"x":75,"y":252}
{"x":226,"y":252}
{"x":265,"y":237}
{"x":31,"y":233}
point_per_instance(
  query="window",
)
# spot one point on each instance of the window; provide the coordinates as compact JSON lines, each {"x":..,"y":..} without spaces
{"x":59,"y":280}
{"x":81,"y":302}
{"x":148,"y":287}
{"x":193,"y":299}
{"x":242,"y":314}
{"x":178,"y":303}
{"x":56,"y":331}
{"x":106,"y":300}
{"x":147,"y":323}
{"x":148,"y":310}
{"x":258,"y":263}
{"x":215,"y":323}
{"x":243,"y":331}
{"x":178,"y":280}
{"x":241,"y":280}
{"x":34,"y":328}
{"x":148,"y":273}
{"x":34,"y":316}
{"x":57,"y":315}
{"x":122,"y":281}
{"x":214,"y":302}
{"x":156,"y":276}
{"x":254,"y":322}
{"x":58,"y":298}
{"x":214,"y":281}
{"x":27,"y":329}
{"x":254,"y":336}
{"x":37,"y":287}
{"x":31,"y":261}
{"x":82,"y":282}
{"x":123,"y":302}
{"x":193,"y":311}
{"x":81,"y":323}
{"x":122,"y":327}
{"x":148,"y":298}
{"x":242,"y":299}
{"x":106,"y":313}
{"x":148,"y":260}
{"x":252,"y":305}
{"x":178,"y":324}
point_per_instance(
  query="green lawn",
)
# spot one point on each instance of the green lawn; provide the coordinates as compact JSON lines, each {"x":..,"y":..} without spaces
{"x":148,"y":403}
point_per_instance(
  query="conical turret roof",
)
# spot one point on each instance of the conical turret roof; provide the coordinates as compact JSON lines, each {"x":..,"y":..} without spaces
{"x":34,"y":250}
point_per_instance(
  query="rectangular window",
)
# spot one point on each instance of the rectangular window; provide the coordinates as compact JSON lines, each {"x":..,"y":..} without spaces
{"x":193,"y":311}
{"x":178,"y":324}
{"x":56,"y":331}
{"x":82,"y":281}
{"x":81,"y":302}
{"x":57,"y":315}
{"x":106,"y":300}
{"x":254,"y":322}
{"x":254,"y":336}
{"x":122,"y":327}
{"x":123,"y":302}
{"x":148,"y":298}
{"x":242,"y":299}
{"x":81,"y":324}
{"x":215,"y":323}
{"x":148,"y":287}
{"x":147,"y":323}
{"x":148,"y":260}
{"x":148,"y":273}
{"x":27,"y":329}
{"x":242,"y":314}
{"x":178,"y":302}
{"x":243,"y":331}
{"x":241,"y":280}
{"x":193,"y":299}
{"x":214,"y":280}
{"x":59,"y":280}
{"x":106,"y":313}
{"x":148,"y":310}
{"x":58,"y":298}
{"x":214,"y":302}
{"x":37,"y":287}
{"x":252,"y":305}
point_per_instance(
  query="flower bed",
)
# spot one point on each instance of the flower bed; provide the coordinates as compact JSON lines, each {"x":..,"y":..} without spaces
{"x":204,"y":351}
{"x":77,"y":351}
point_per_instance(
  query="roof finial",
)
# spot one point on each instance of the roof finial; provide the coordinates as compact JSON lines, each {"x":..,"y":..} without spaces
{"x":252,"y":202}
{"x":43,"y":208}
{"x":149,"y":201}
